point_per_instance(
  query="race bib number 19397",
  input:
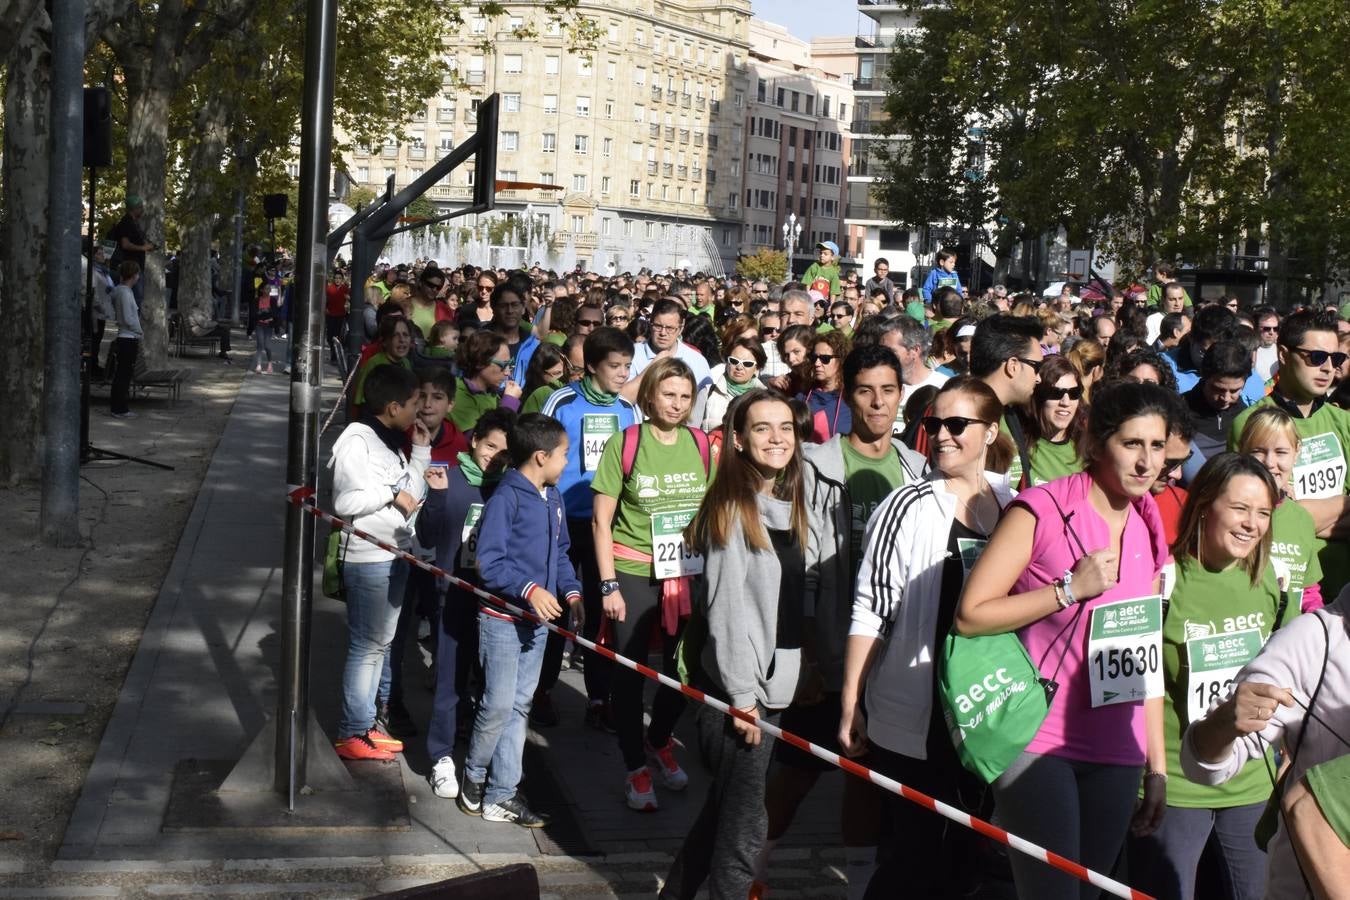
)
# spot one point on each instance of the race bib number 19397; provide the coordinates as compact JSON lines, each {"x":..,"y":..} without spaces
{"x":1319,"y":471}
{"x":1125,"y":651}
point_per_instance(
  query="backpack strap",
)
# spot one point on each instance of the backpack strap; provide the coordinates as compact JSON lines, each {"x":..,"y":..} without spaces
{"x":704,"y":448}
{"x":632,"y":435}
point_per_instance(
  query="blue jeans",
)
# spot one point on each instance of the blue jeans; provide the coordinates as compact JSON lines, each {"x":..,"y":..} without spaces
{"x":374,"y":598}
{"x":1164,"y":864}
{"x":511,"y":654}
{"x":456,"y":653}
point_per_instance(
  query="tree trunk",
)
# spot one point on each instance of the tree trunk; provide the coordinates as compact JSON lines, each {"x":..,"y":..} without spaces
{"x":198,"y":208}
{"x":23,"y":246}
{"x":149,"y":96}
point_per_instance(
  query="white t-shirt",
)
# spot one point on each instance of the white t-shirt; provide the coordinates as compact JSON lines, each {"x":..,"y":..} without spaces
{"x":935,"y":378}
{"x":1267,"y":361}
{"x":644,"y":356}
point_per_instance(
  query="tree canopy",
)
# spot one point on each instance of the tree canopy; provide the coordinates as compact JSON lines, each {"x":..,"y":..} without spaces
{"x":1156,"y":129}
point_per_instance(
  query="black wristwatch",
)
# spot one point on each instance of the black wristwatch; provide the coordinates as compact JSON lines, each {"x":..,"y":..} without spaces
{"x":608,"y":587}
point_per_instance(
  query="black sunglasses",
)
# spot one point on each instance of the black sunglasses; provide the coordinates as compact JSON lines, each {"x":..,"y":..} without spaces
{"x":768,"y":332}
{"x":1173,"y":464}
{"x":955,"y":425}
{"x":1034,"y":363}
{"x":1319,"y":357}
{"x":1055,"y":394}
{"x":825,"y":358}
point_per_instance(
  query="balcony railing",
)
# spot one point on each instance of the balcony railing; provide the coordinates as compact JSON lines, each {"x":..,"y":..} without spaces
{"x":869,"y":84}
{"x":656,"y":92}
{"x":682,"y":171}
{"x":712,"y":142}
{"x":670,"y":132}
{"x":472,"y":77}
{"x":684,"y":135}
{"x":700,"y":102}
{"x":445,"y":115}
{"x":698,"y":139}
{"x":389,"y":151}
{"x":715,"y":107}
{"x":651,"y":168}
{"x":670,"y":96}
{"x":686,"y":100}
{"x":667,"y":169}
{"x":656,"y":131}
{"x":417,"y":153}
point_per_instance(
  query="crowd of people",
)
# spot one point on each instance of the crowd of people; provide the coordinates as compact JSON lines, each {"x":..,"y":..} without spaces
{"x":806,"y":498}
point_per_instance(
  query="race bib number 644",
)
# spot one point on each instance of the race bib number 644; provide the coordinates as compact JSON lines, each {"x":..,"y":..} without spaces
{"x":1125,"y":651}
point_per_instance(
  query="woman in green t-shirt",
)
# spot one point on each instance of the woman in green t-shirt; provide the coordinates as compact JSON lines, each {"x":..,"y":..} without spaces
{"x":395,"y":337}
{"x":1058,"y":413}
{"x":1224,"y":607}
{"x":645,"y":567}
{"x":1271,"y":437}
{"x":548,"y":367}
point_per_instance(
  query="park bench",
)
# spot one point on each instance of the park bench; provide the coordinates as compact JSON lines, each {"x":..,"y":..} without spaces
{"x":144,"y":380}
{"x":182,"y":339}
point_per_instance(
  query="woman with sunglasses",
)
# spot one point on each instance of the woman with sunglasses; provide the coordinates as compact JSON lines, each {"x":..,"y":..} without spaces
{"x":1089,"y":361}
{"x":1062,"y":550}
{"x":618,"y":316}
{"x":1226,"y":604}
{"x":841,"y":318}
{"x":922,"y":542}
{"x":1059,"y":412}
{"x":825,"y":399}
{"x":743,"y":641}
{"x":745,"y":359}
{"x":642,"y":504}
{"x":427,"y":307}
{"x":1271,"y":438}
{"x":485,"y":382}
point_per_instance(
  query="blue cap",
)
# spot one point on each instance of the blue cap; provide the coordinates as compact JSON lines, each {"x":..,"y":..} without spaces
{"x":830,"y":246}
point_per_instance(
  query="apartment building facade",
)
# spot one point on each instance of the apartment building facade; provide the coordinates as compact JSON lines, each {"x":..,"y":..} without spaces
{"x":870,"y":234}
{"x":796,"y":148}
{"x":643,"y":137}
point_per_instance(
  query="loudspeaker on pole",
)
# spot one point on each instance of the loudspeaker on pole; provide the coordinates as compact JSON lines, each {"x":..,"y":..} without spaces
{"x":97,"y":128}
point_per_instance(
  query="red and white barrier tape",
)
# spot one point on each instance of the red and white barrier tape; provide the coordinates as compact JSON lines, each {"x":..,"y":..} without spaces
{"x":300,"y":495}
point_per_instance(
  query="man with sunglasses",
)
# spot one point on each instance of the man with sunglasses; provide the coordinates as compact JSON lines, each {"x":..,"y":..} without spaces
{"x":1268,"y":331}
{"x":1179,"y":462}
{"x":846,"y":478}
{"x":1309,"y":359}
{"x":1006,"y":354}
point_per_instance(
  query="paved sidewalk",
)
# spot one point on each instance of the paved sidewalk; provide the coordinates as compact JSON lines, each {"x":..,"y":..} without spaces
{"x":203,"y":683}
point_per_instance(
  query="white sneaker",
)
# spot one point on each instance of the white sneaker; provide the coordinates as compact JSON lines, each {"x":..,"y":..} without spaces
{"x":443,"y":782}
{"x":663,"y":762}
{"x":639,"y":791}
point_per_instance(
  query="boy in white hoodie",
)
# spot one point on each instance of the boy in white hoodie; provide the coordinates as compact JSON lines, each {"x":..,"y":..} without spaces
{"x":378,"y":488}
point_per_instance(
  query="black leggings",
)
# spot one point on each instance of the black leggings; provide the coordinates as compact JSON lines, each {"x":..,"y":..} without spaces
{"x":632,"y":638}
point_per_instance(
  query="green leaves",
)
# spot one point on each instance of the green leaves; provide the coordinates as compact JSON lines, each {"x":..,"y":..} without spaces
{"x":1165,"y":128}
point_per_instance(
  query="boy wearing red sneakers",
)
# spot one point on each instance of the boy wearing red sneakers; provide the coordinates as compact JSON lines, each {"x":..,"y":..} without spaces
{"x":377,"y":486}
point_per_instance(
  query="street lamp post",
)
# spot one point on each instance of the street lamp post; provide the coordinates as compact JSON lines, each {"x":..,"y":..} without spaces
{"x":792,"y":231}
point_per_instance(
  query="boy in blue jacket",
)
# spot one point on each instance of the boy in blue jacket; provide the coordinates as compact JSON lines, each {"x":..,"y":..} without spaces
{"x":525,"y":512}
{"x":450,"y":524}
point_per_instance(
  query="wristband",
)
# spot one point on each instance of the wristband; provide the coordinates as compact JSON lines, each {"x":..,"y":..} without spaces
{"x":1068,"y":591}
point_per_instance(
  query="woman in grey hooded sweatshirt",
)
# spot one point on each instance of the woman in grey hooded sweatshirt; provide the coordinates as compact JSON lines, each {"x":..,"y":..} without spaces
{"x":743,"y":642}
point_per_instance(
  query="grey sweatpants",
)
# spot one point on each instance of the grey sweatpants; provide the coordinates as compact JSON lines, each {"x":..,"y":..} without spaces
{"x":727,"y":835}
{"x":1079,"y":810}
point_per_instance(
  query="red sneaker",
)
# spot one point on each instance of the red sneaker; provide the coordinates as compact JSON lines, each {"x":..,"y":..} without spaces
{"x":360,"y":746}
{"x":384,"y":741}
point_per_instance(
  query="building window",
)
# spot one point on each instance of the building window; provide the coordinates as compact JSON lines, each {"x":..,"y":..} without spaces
{"x":578,"y":182}
{"x":480,"y":26}
{"x":550,"y":65}
{"x":550,"y":142}
{"x":627,"y":227}
{"x":779,"y":97}
{"x":510,"y":140}
{"x":640,"y":75}
{"x":639,"y":112}
{"x":611,"y":72}
{"x":578,"y":224}
{"x":634,"y":188}
{"x":605,"y":182}
{"x":581,"y":143}
{"x":362,"y":174}
{"x":511,"y":103}
{"x":651,"y":229}
{"x":606,"y":226}
{"x":515,"y":23}
{"x":639,"y":36}
{"x":609,"y":109}
{"x":607,"y":147}
{"x":512,"y":64}
{"x":613,"y":32}
{"x":583,"y":107}
{"x":550,"y":104}
{"x":740,"y":99}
